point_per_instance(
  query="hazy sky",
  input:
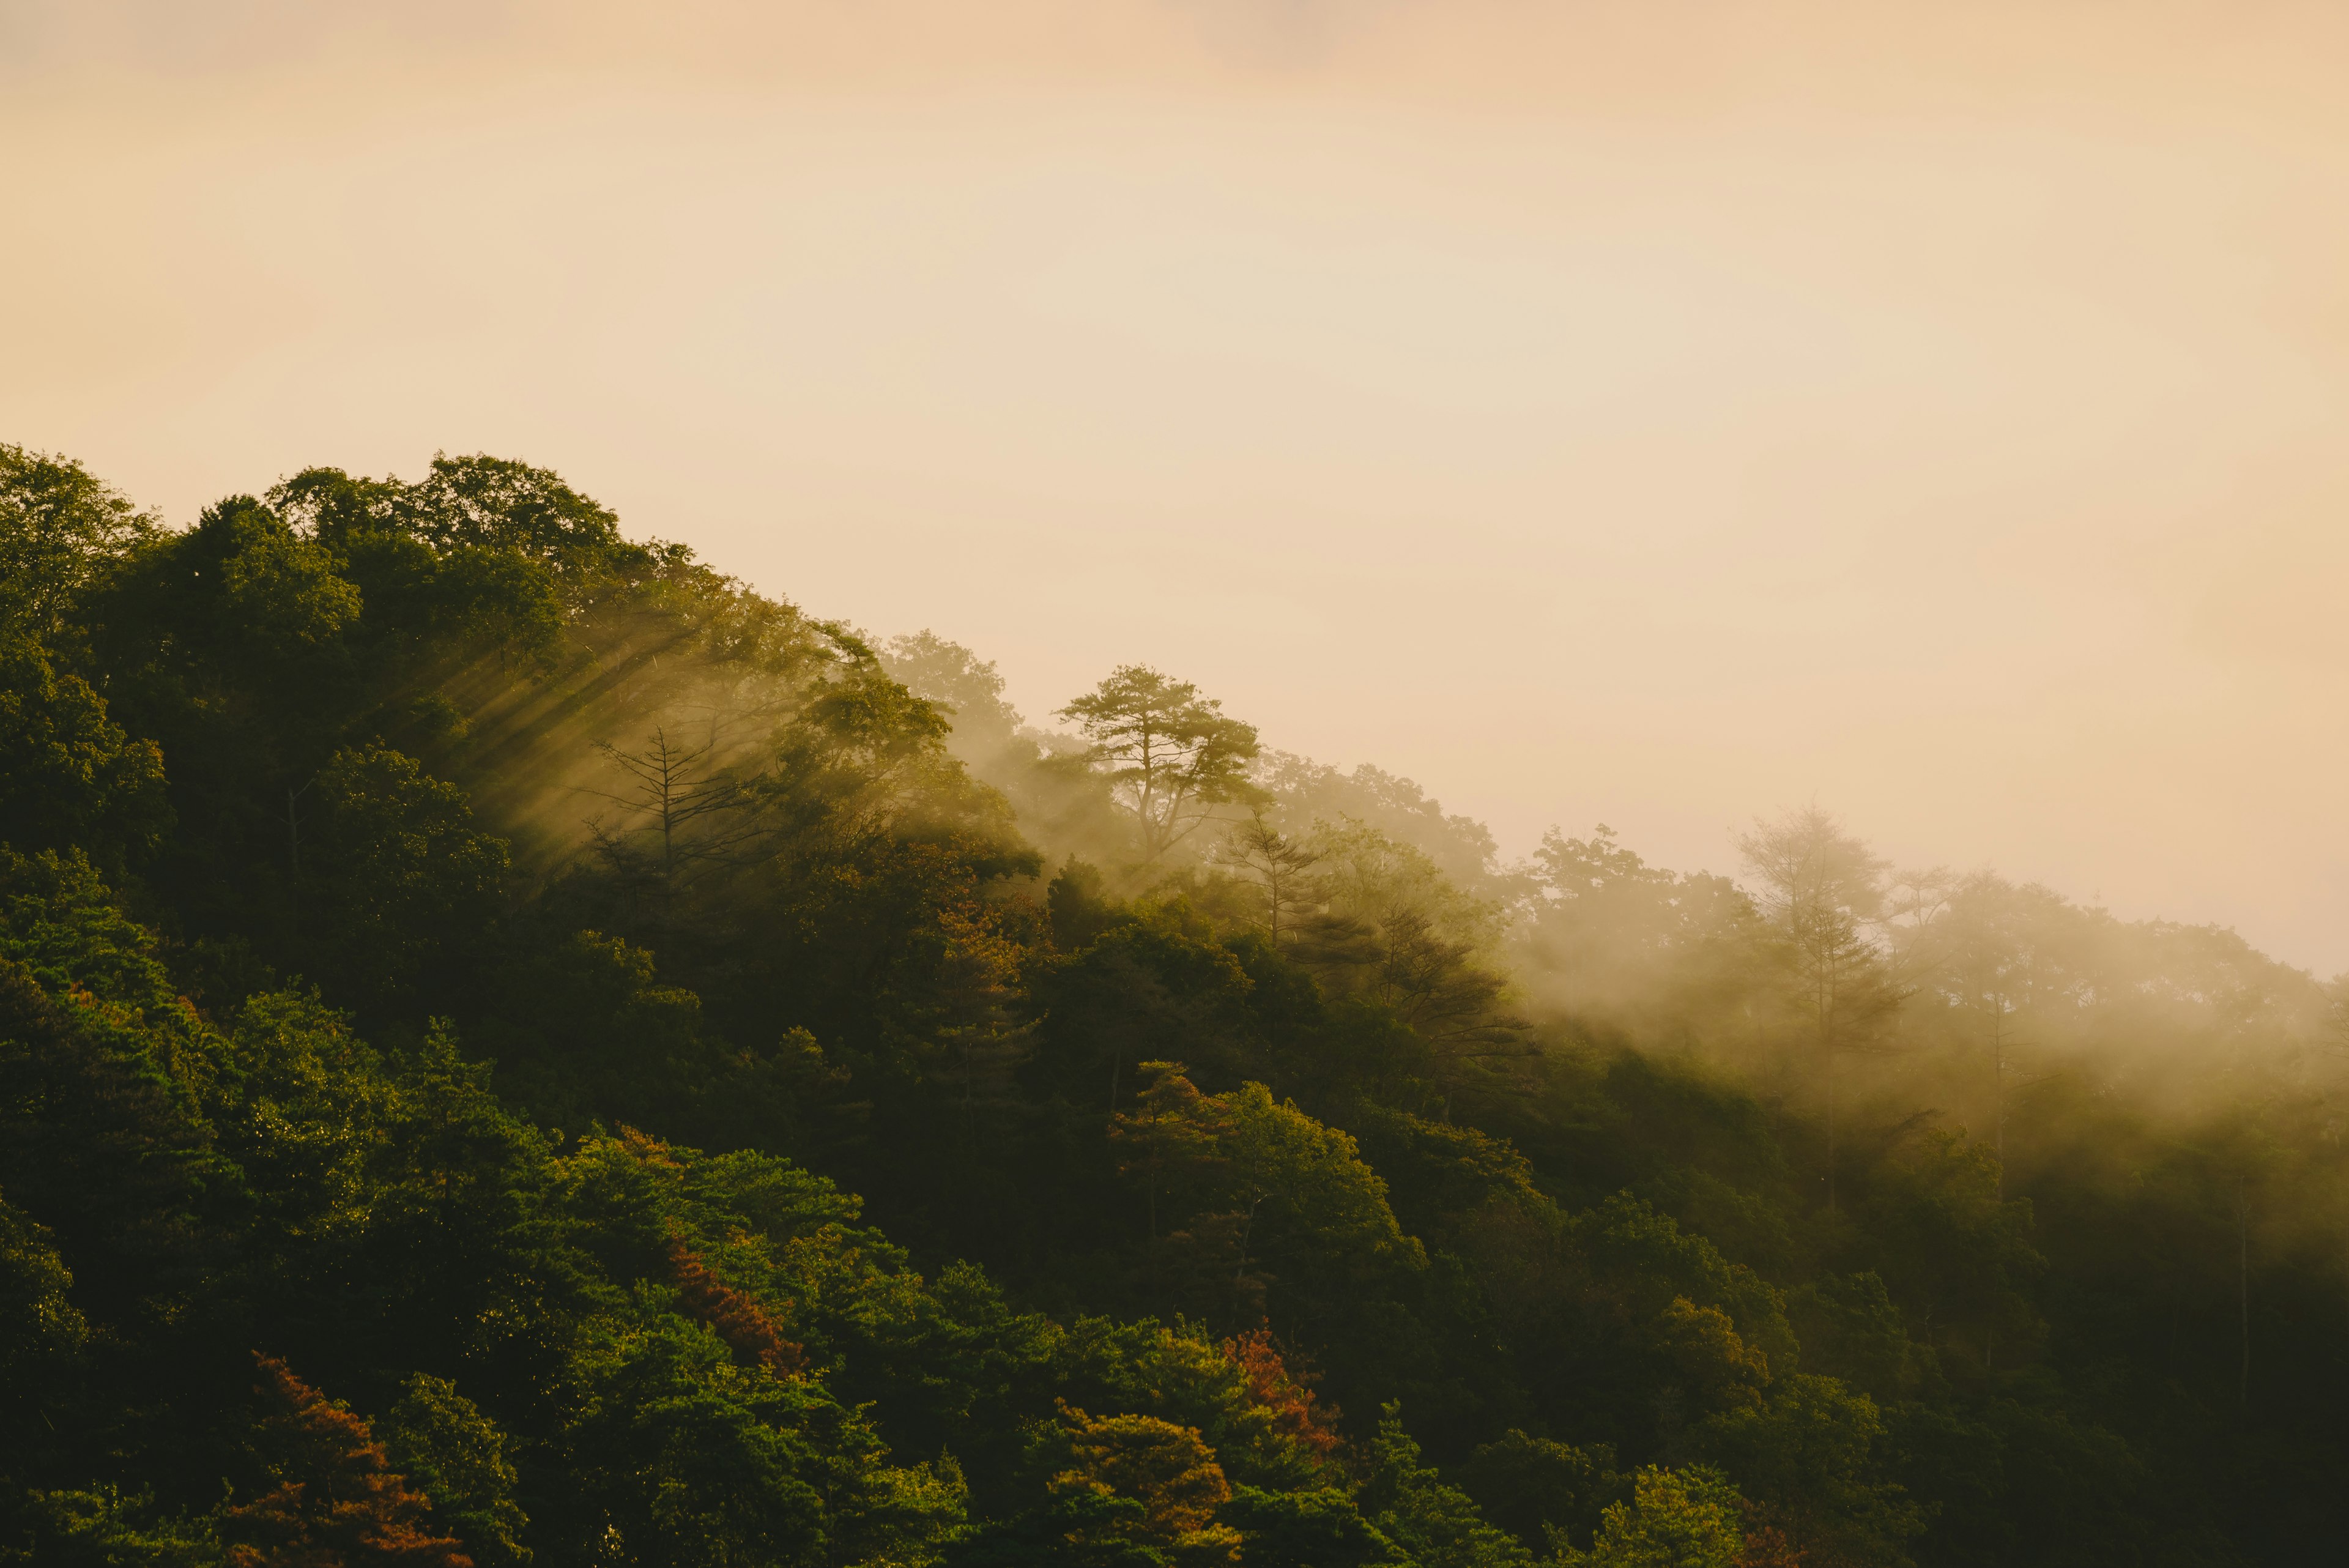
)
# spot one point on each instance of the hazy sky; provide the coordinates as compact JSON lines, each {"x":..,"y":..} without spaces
{"x":1646,"y":412}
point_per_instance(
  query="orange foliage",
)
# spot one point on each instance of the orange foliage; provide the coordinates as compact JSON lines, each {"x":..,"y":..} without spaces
{"x":1767,"y":1545}
{"x":733,"y":1317}
{"x":1296,"y":1415}
{"x":337,"y":1503}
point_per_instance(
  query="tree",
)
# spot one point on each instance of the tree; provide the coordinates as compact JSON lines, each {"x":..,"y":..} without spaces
{"x":966,"y":687}
{"x":37,"y":1316}
{"x":1321,"y":1529}
{"x":975,"y":992}
{"x":442,"y":1442}
{"x":1954,"y":1252}
{"x":335,"y":1503}
{"x":59,"y":528}
{"x":402,"y":877}
{"x":1172,"y":1133}
{"x":683,"y":797}
{"x":1172,"y":754}
{"x":1535,"y":1488}
{"x":102,"y":1528}
{"x":734,"y":1316}
{"x":1282,"y":865}
{"x":1308,"y":791}
{"x":1326,"y":1210}
{"x":68,"y":774}
{"x":1165,"y":1467}
{"x":1822,"y":888}
{"x":499,"y":504}
{"x":1622,"y":944}
{"x":1397,"y":930}
{"x":683,"y":1457}
{"x":1811,"y":1456}
{"x":1297,"y":1416}
{"x":2000,"y":969}
{"x":97,"y":1143}
{"x":1142,"y":991}
{"x":1436,"y":1524}
{"x":1676,"y":1518}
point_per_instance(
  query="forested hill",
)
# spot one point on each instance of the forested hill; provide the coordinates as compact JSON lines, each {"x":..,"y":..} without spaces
{"x":517,"y":1049}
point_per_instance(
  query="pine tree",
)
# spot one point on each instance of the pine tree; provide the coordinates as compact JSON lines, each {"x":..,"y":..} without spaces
{"x":1171,"y":755}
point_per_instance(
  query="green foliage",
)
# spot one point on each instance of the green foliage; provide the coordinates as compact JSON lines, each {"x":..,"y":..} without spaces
{"x":1461,"y":848}
{"x":1319,"y":1206}
{"x":1650,"y":1252}
{"x":1323,"y":1528}
{"x":100,"y":1143}
{"x":1435,"y":1524}
{"x":1264,"y":1194}
{"x":61,"y":922}
{"x":61,"y":530}
{"x":583,"y":1029}
{"x":443,"y":1444}
{"x":398,"y":881}
{"x":104,"y":1529}
{"x":329,"y":1495}
{"x":681,"y":1456}
{"x":1538,"y":1489}
{"x":1144,"y":990}
{"x":1689,"y":1518}
{"x":1238,"y":1395}
{"x":37,"y":1317}
{"x":1811,"y":1452}
{"x":1850,"y":1330}
{"x":1949,"y":1248}
{"x":786,"y":1171}
{"x":1082,"y":1528}
{"x":1165,"y":1467}
{"x":69,"y":776}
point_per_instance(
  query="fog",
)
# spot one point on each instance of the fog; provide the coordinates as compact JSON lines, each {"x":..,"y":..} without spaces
{"x":1174,"y":781}
{"x":1642,"y":414}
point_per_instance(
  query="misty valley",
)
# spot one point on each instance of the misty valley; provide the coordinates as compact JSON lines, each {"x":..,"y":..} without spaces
{"x":516,"y":1048}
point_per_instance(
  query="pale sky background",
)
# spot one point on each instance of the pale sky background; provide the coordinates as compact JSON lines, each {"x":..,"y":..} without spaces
{"x":1647,"y":412}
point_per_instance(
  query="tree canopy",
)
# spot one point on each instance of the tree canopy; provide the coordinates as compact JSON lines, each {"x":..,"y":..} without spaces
{"x":515,"y":1049}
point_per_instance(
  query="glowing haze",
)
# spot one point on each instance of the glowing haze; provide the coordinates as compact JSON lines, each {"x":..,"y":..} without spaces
{"x":1648,"y":413}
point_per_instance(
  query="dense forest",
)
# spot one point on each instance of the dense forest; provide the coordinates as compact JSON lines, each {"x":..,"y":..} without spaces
{"x":515,"y":1048}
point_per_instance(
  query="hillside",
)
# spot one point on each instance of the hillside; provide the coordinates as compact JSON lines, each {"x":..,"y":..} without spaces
{"x":515,"y":1048}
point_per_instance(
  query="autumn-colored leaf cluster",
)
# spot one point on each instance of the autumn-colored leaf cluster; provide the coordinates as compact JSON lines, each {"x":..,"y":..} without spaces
{"x":337,"y":1501}
{"x":734,"y":1316}
{"x":1297,"y":1411}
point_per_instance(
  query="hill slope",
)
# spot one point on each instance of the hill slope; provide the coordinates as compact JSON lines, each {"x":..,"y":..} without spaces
{"x":513,"y":1047}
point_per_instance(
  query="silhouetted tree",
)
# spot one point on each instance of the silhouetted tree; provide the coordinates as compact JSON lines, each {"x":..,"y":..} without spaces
{"x":60,"y":529}
{"x":1172,"y":754}
{"x":693,"y":808}
{"x":1821,"y":889}
{"x":1282,"y":867}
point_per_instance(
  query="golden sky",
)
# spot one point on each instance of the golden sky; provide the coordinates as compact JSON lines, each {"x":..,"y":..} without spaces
{"x":1649,"y":412}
